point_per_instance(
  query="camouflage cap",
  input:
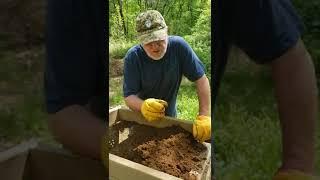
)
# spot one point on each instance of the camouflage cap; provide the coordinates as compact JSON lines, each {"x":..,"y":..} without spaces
{"x":150,"y":26}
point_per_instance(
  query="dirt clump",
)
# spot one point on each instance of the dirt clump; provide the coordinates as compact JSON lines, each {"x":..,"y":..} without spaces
{"x":171,"y":150}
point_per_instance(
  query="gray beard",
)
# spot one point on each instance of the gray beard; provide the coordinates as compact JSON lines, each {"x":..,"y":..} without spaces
{"x":158,"y":58}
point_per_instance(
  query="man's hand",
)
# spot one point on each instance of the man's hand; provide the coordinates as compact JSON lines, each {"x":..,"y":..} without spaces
{"x":293,"y":175}
{"x":153,"y":109}
{"x":78,"y":130}
{"x":202,"y":128}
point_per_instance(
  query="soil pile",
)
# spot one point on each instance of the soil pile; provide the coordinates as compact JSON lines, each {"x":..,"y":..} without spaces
{"x":171,"y":150}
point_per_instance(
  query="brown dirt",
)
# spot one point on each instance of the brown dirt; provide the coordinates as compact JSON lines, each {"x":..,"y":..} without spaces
{"x":171,"y":150}
{"x":115,"y":67}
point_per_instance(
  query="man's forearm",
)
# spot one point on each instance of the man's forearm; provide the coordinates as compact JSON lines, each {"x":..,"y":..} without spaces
{"x":296,"y":92}
{"x":78,"y":130}
{"x":203,"y":91}
{"x":134,"y":102}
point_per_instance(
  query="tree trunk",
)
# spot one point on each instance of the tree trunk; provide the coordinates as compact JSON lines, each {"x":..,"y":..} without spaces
{"x":127,"y":10}
{"x":122,"y":18}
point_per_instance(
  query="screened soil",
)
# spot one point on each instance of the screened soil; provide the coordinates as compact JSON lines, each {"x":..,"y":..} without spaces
{"x":172,"y":150}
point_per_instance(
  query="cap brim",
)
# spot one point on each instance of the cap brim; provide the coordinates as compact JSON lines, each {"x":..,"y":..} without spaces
{"x":158,"y":35}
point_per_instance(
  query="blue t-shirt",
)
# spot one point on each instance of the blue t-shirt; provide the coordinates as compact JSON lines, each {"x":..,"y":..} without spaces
{"x":263,"y":29}
{"x":76,"y":66}
{"x":161,"y":79}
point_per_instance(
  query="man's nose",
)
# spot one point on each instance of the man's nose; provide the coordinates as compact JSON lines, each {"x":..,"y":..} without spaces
{"x":155,"y":46}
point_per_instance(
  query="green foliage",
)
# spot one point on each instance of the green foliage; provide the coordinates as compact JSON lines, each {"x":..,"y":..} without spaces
{"x":118,"y":48}
{"x":183,"y":16}
{"x":116,"y":23}
{"x":200,"y":37}
{"x":116,"y":99}
{"x":180,"y":15}
{"x":189,"y":19}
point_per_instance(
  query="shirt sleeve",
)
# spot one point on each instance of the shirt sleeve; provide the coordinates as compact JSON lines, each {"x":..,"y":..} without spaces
{"x":265,"y":30}
{"x":192,"y":67}
{"x":131,"y":75}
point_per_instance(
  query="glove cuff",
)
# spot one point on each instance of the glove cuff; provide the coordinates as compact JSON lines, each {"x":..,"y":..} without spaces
{"x":203,"y":117}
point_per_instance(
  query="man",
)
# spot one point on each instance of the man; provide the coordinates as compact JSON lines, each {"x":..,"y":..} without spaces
{"x":75,"y":75}
{"x":269,"y":32}
{"x":153,"y":71}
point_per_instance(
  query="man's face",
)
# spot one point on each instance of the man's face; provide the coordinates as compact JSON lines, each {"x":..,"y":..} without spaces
{"x":156,"y":49}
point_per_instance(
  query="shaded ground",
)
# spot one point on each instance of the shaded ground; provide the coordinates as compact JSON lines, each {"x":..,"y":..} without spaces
{"x":115,"y":81}
{"x":21,"y":23}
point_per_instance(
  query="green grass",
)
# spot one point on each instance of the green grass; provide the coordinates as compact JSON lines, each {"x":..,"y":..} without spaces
{"x":115,"y":92}
{"x":22,"y":111}
{"x":246,"y":128}
{"x":187,"y":101}
{"x":23,"y":120}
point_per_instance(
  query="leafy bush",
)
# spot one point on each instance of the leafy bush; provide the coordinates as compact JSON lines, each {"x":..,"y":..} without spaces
{"x":200,"y":39}
{"x":119,"y":48}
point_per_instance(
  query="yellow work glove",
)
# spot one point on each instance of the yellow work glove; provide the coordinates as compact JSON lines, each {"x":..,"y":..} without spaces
{"x":294,"y":175}
{"x":153,"y":109}
{"x":202,"y":128}
{"x":105,"y":151}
